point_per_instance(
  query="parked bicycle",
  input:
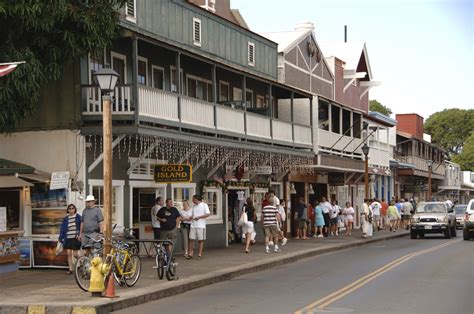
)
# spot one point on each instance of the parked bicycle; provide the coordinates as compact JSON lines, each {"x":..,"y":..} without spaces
{"x":165,"y":262}
{"x":125,"y":266}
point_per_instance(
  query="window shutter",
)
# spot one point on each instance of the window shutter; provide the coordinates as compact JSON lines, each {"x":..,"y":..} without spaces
{"x":130,"y":9}
{"x":197,"y":32}
{"x":251,"y":56}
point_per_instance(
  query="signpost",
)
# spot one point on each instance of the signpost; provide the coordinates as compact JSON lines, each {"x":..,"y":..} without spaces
{"x":173,"y":173}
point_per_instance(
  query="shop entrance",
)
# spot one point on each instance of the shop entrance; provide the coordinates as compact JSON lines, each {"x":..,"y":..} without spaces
{"x":143,"y":202}
{"x":11,"y":200}
{"x":235,"y":200}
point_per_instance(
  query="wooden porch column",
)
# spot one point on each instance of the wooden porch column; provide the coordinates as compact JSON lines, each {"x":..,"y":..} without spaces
{"x":178,"y":85}
{"x":135,"y":77}
{"x":311,"y":120}
{"x":292,"y":117}
{"x":214,"y":94}
{"x":244,"y":101}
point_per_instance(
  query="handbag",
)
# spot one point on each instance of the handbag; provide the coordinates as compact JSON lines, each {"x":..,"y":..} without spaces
{"x":59,"y":248}
{"x":243,"y":219}
{"x":340,"y":224}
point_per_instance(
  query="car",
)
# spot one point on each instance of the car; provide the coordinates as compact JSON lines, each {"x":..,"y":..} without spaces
{"x":460,"y":211}
{"x":468,"y":228}
{"x":433,"y":217}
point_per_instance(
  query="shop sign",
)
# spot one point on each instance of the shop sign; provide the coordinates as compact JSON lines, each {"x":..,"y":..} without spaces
{"x":261,"y":170}
{"x":173,"y":173}
{"x":59,"y":180}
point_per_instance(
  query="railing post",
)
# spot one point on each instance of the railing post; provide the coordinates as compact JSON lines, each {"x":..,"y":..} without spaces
{"x":135,"y":78}
{"x":270,"y":110}
{"x":214,"y":95}
{"x":244,"y":101}
{"x":292,"y":117}
{"x":178,"y":85}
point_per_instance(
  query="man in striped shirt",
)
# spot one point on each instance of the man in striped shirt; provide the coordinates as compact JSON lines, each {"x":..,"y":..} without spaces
{"x":270,"y":219}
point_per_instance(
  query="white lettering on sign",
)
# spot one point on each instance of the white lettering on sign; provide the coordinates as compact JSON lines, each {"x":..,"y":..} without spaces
{"x":59,"y":180}
{"x":261,"y":170}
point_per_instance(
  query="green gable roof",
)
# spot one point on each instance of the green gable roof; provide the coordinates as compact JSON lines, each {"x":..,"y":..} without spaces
{"x":8,"y":167}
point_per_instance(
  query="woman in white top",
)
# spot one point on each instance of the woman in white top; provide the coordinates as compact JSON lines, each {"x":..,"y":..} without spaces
{"x":349,"y":218}
{"x":186,"y":217}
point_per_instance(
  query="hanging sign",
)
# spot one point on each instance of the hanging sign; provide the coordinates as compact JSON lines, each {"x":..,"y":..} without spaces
{"x":59,"y":180}
{"x":261,"y":170}
{"x":173,"y":173}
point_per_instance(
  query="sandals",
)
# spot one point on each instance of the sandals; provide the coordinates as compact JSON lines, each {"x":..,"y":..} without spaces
{"x":199,"y":258}
{"x":188,"y":257}
{"x":69,"y":272}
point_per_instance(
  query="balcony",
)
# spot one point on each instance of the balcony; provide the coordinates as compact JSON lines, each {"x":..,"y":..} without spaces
{"x":421,"y":164}
{"x":170,"y":109}
{"x":345,"y":146}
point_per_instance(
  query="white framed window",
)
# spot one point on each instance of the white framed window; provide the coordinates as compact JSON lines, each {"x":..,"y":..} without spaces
{"x":212,"y":196}
{"x":119,"y":65}
{"x":198,"y":87}
{"x":251,"y":54}
{"x":181,"y":192}
{"x":224,"y":91}
{"x":258,"y":197}
{"x":196,"y":32}
{"x":237,"y":94}
{"x":131,"y":11}
{"x":157,"y":77}
{"x":142,"y":77}
{"x":260,"y":101}
{"x":145,"y":169}
{"x":96,"y":62}
{"x":249,"y":98}
{"x":174,"y":85}
{"x":96,"y":188}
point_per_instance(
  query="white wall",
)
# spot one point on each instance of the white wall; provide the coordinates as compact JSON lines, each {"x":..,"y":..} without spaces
{"x":300,"y":110}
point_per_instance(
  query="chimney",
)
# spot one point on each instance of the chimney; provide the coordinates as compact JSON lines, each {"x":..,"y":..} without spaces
{"x":410,"y":123}
{"x":304,"y":26}
{"x":345,"y":33}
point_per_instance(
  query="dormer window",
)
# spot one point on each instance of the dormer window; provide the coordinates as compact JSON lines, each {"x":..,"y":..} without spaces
{"x":251,"y":54}
{"x":130,"y":11}
{"x":210,"y":5}
{"x":197,"y":32}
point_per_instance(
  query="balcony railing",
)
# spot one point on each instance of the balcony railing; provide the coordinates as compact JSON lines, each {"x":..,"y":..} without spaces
{"x":121,"y":99}
{"x":421,"y":164}
{"x":333,"y":143}
{"x":178,"y":110}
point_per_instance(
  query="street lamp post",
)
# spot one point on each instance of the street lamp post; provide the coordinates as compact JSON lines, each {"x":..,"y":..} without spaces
{"x":430,"y":167}
{"x":365,"y":150}
{"x":106,"y":78}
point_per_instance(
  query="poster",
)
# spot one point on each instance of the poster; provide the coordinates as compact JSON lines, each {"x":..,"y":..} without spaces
{"x":3,"y":219}
{"x":46,"y":221}
{"x":44,"y":255}
{"x":59,"y":180}
{"x":25,"y":253}
{"x":43,"y":197}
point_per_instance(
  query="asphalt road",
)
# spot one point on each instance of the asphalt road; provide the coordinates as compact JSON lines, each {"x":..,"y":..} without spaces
{"x":432,"y":275}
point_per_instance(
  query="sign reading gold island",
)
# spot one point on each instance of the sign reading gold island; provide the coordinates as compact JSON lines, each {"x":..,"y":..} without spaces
{"x":173,"y":173}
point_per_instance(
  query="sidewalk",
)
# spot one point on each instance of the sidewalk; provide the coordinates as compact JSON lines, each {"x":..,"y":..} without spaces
{"x":56,"y":292}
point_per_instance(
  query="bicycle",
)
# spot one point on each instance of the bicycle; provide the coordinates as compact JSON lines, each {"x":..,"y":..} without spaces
{"x":165,"y":261}
{"x":82,"y":273}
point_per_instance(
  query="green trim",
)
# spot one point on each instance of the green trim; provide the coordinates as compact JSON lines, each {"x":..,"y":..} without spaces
{"x":8,"y":167}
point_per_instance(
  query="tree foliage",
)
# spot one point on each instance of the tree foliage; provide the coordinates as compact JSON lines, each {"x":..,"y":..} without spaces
{"x":47,"y":35}
{"x":450,"y":128}
{"x":374,"y":105}
{"x":466,"y":158}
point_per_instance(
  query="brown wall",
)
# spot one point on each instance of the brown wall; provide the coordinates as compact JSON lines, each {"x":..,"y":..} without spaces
{"x":410,"y":123}
{"x":351,"y":97}
{"x":222,"y":9}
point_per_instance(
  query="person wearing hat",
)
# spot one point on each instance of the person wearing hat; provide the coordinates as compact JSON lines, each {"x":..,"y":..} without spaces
{"x":92,"y":221}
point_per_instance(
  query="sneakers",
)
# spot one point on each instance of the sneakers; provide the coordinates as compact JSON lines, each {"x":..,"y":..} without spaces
{"x":320,"y":236}
{"x":332,"y":233}
{"x":283,"y":242}
{"x":337,"y":233}
{"x":267,"y":249}
{"x":277,"y":249}
{"x":270,"y":243}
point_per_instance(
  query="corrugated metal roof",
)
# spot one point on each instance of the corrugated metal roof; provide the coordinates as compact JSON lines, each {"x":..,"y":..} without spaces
{"x":8,"y":167}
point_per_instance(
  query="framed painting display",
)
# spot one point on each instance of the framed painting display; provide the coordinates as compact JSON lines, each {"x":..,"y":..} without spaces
{"x":44,"y":255}
{"x":25,"y":253}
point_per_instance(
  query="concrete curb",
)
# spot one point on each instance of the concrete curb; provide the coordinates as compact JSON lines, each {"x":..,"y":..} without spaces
{"x":147,"y":294}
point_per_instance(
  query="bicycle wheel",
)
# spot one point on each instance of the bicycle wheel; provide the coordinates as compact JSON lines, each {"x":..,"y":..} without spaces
{"x":160,"y":265}
{"x":171,"y":271}
{"x":82,"y":272}
{"x":118,"y":278}
{"x":132,"y":270}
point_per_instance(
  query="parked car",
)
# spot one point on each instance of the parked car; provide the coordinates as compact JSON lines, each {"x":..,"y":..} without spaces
{"x":460,"y":212}
{"x":433,"y":217}
{"x":468,"y":228}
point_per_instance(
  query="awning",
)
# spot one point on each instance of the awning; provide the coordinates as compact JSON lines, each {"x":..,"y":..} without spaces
{"x":39,"y":177}
{"x":12,"y":182}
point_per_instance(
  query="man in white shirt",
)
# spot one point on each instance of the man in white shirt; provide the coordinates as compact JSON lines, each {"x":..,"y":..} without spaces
{"x":154,"y":219}
{"x":327,"y":207}
{"x":376,"y":207}
{"x":198,"y":226}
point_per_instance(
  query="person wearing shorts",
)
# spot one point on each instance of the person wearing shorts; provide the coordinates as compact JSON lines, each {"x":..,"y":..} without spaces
{"x":271,"y":218}
{"x":198,"y":226}
{"x":326,"y":206}
{"x":169,"y":218}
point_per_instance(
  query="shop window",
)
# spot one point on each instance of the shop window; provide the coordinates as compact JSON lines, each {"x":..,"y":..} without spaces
{"x":258,"y":197}
{"x":356,"y":121}
{"x":142,"y":71}
{"x":213,"y":198}
{"x":323,"y":115}
{"x":181,"y":192}
{"x":96,"y":188}
{"x":335,"y":119}
{"x":98,"y":192}
{"x":346,"y":122}
{"x":11,"y":200}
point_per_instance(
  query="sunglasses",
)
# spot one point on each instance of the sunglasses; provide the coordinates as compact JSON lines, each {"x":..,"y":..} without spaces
{"x":71,"y":208}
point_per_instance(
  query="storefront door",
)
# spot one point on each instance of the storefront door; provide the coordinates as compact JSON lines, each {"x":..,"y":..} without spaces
{"x":143,"y":202}
{"x":235,"y":200}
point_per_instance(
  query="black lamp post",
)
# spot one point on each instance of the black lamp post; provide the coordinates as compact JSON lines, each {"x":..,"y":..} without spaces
{"x":365,"y":149}
{"x":107,"y":78}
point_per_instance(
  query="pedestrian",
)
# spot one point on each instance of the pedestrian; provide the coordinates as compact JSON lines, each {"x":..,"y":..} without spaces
{"x":370,"y":222}
{"x":186,"y":217}
{"x":326,"y":206}
{"x":376,"y":209}
{"x":270,"y":218}
{"x":364,"y":217}
{"x":319,"y":220}
{"x":341,"y":222}
{"x":349,"y":218}
{"x":154,"y":221}
{"x":333,"y":217}
{"x":383,"y":214}
{"x":198,"y":226}
{"x":92,"y":223}
{"x":169,"y":218}
{"x":398,"y":205}
{"x":407,"y":209}
{"x":393,"y":216}
{"x":301,"y":218}
{"x":282,"y":213}
{"x":248,"y":230}
{"x":69,"y":235}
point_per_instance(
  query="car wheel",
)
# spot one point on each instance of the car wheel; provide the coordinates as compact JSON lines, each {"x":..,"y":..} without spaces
{"x":465,"y":234}
{"x":447,"y":233}
{"x":413,"y":234}
{"x":422,"y":235}
{"x":453,"y":231}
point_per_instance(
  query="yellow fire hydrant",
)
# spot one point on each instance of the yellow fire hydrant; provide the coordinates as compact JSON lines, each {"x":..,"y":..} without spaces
{"x":98,"y":271}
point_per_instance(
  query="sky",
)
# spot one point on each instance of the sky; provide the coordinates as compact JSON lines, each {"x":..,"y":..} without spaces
{"x":420,"y":50}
